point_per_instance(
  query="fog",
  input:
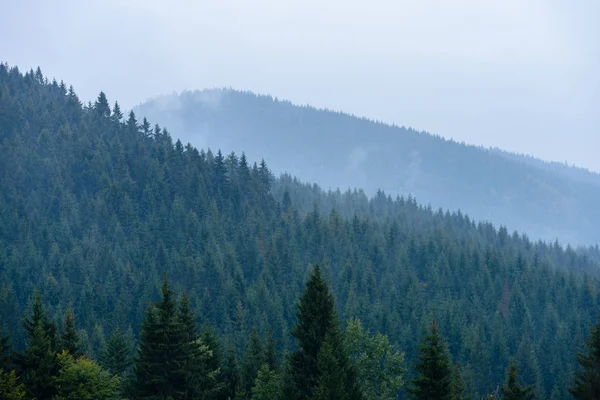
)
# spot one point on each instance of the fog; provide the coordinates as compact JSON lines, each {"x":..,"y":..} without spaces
{"x":519,"y":75}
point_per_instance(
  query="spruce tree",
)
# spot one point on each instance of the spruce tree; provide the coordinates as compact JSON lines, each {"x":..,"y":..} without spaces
{"x":435,"y":371}
{"x":512,"y":390}
{"x":10,"y":387}
{"x":201,"y":377}
{"x":70,"y":338}
{"x":38,"y":365}
{"x":252,"y":362}
{"x":116,"y":357}
{"x":458,"y":384}
{"x":317,"y":321}
{"x":230,"y":376}
{"x":267,"y":385}
{"x":158,"y":368}
{"x":586,"y":384}
{"x":5,"y":353}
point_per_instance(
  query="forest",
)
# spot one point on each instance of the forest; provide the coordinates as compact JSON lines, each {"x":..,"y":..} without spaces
{"x":152,"y":269}
{"x":333,"y":149}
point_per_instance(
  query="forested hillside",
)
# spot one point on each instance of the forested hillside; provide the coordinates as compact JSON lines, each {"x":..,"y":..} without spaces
{"x":338,"y":150}
{"x":95,"y":208}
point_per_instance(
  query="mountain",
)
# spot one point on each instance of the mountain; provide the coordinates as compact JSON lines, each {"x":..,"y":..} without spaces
{"x":96,"y":208}
{"x":337,"y":150}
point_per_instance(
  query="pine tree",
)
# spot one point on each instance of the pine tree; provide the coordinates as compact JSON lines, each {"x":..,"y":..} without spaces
{"x":317,"y":321}
{"x":230,"y":377}
{"x":70,"y":338}
{"x":337,"y":377}
{"x":158,"y":372}
{"x":434,"y":368}
{"x":5,"y":353}
{"x":252,"y":362}
{"x":101,"y":106}
{"x":270,"y":357}
{"x":38,"y":365}
{"x":458,"y":384}
{"x":116,"y":357}
{"x":267,"y":385}
{"x":586,"y":384}
{"x":512,"y":390}
{"x":201,"y":378}
{"x":10,"y":387}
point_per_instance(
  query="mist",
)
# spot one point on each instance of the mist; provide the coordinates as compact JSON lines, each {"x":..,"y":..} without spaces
{"x":522,"y":76}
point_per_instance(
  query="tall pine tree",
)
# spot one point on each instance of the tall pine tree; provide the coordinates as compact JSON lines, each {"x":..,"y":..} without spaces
{"x":116,"y":357}
{"x":586,"y":384}
{"x":158,"y":368}
{"x":69,"y":339}
{"x":434,"y":368}
{"x":512,"y":390}
{"x":318,"y":323}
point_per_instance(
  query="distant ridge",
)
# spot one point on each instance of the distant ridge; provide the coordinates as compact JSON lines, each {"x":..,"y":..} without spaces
{"x":546,"y":200}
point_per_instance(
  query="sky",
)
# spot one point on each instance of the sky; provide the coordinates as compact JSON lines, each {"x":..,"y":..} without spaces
{"x":521,"y":75}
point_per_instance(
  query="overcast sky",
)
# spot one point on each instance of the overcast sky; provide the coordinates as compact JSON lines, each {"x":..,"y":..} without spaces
{"x":522,"y":75}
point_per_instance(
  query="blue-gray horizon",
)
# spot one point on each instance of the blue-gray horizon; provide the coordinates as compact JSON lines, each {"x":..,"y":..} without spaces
{"x":520,"y":76}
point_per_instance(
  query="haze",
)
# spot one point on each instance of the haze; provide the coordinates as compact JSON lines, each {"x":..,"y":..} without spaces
{"x":519,"y":75}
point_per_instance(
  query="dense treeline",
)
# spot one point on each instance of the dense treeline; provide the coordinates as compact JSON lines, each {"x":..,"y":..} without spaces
{"x":95,"y":206}
{"x":334,"y":149}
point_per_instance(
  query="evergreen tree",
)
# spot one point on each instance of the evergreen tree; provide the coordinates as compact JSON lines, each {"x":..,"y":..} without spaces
{"x":201,"y":378}
{"x":230,"y":377}
{"x":70,"y":338}
{"x":270,"y":357}
{"x":586,"y":385}
{"x":10,"y":387}
{"x":229,"y":374}
{"x":268,"y":385}
{"x":252,"y":362}
{"x":435,"y":371}
{"x":5,"y":353}
{"x":101,"y":106}
{"x":337,"y":377}
{"x":512,"y":390}
{"x":158,"y":367}
{"x":458,"y":384}
{"x":37,"y":365}
{"x":116,"y":357}
{"x":317,"y":321}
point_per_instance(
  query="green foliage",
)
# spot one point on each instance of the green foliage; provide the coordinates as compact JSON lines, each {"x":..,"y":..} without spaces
{"x":38,"y":365}
{"x":586,"y":384}
{"x":69,"y":339}
{"x":321,"y":368}
{"x":5,"y":353}
{"x":253,"y":360}
{"x":458,"y":384}
{"x":10,"y":388}
{"x":82,"y":379}
{"x":337,"y":376}
{"x":512,"y":390}
{"x":116,"y":358}
{"x":434,"y":368}
{"x":268,"y":385}
{"x":160,"y":365}
{"x":379,"y":368}
{"x":316,"y":317}
{"x":94,"y":209}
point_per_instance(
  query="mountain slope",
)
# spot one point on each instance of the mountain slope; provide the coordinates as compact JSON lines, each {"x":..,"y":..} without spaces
{"x":94,"y":208}
{"x":339,"y":150}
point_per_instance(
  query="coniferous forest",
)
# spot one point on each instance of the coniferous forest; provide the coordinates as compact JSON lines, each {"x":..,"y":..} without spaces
{"x":136,"y":267}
